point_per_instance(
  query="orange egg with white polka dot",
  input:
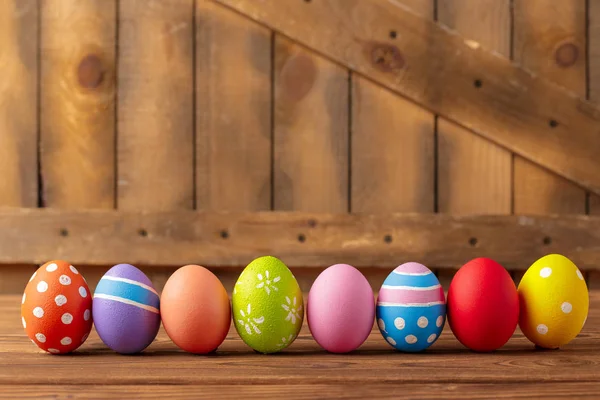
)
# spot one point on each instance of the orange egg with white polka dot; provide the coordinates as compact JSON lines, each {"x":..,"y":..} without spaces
{"x":56,"y":310}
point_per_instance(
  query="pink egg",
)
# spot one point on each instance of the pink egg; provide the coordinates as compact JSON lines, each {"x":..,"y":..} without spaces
{"x":340,"y":309}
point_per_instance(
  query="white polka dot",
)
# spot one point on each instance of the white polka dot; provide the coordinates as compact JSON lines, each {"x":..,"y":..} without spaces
{"x":381,"y":324}
{"x":542,"y":329}
{"x":33,"y":276}
{"x":42,"y":287}
{"x":82,"y":291}
{"x":38,"y":312}
{"x":66,"y":318}
{"x":410,"y":339}
{"x":579,"y":275}
{"x":545,"y":272}
{"x":391,"y":341}
{"x":431,"y":338}
{"x":73,"y":270}
{"x":53,"y":351}
{"x":86,"y":315}
{"x":84,"y":338}
{"x":24,"y":297}
{"x":66,"y":341}
{"x":64,"y":280}
{"x":52,"y":267}
{"x":439,"y":321}
{"x":422,"y":322}
{"x":399,"y":323}
{"x":24,"y":323}
{"x":60,"y":300}
{"x":40,"y":337}
{"x":566,"y":307}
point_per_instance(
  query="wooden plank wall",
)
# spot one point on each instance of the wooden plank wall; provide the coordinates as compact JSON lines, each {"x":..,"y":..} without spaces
{"x":184,"y":104}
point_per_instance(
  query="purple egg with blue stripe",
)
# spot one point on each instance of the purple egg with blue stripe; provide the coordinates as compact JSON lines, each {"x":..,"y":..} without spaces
{"x":411,"y":308}
{"x":126,"y":309}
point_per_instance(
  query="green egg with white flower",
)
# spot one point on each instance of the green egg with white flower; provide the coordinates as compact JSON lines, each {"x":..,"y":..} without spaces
{"x":268,"y":309}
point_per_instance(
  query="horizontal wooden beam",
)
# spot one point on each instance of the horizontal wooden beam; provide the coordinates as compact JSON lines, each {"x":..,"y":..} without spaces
{"x":299,"y":239}
{"x":452,"y":76}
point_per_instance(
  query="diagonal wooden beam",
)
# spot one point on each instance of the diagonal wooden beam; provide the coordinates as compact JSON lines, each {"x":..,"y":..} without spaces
{"x":300,"y":239}
{"x":453,"y":77}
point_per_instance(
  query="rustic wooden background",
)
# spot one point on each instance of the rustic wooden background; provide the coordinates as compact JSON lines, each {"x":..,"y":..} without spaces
{"x":182,"y":105}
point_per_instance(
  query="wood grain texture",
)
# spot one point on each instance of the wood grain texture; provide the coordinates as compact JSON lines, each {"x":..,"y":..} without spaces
{"x":304,"y":370}
{"x":376,"y":240}
{"x":233,"y":111}
{"x":392,"y":152}
{"x":431,"y":391}
{"x":77,"y":100}
{"x":549,"y":40}
{"x":155,"y":105}
{"x":511,"y":107}
{"x":474,"y":175}
{"x":14,"y":278}
{"x":594,"y":50}
{"x":593,"y":45}
{"x":486,"y":22}
{"x":18,"y":108}
{"x":392,"y":141}
{"x":310,"y":131}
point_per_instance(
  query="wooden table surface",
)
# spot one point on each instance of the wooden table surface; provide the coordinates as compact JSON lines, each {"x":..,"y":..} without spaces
{"x":446,"y":370}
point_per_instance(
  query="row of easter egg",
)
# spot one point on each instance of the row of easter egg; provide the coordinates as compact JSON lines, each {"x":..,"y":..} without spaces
{"x":483,"y":307}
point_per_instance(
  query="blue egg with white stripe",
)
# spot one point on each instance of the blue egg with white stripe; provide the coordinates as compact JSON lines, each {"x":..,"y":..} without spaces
{"x":126,"y":309}
{"x":411,"y":308}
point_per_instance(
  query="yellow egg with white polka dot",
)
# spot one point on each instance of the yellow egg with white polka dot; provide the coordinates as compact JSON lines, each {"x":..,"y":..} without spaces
{"x":554,"y":301}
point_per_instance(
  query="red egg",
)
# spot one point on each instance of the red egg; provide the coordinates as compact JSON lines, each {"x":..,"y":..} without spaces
{"x":483,"y":305}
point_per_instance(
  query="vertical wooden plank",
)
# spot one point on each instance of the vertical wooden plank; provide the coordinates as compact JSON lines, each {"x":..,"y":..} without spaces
{"x":594,"y":90}
{"x":392,"y":152}
{"x":310,"y":131}
{"x":549,"y":40}
{"x":392,"y":146}
{"x":77,"y":103}
{"x":18,"y":102}
{"x":594,"y":50}
{"x":233,"y":111}
{"x":155,"y":105}
{"x":474,"y":175}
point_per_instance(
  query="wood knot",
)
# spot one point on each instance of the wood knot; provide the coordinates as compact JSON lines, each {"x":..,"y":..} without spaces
{"x":298,"y":76}
{"x":90,"y":72}
{"x":386,"y":57}
{"x":566,"y":54}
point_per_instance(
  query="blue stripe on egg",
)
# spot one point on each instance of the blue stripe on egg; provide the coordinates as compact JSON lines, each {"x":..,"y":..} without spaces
{"x":129,"y":292}
{"x":396,"y":279}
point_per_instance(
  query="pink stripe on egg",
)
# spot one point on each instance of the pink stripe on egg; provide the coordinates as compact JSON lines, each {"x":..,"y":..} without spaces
{"x":412,"y":267}
{"x":387,"y":295}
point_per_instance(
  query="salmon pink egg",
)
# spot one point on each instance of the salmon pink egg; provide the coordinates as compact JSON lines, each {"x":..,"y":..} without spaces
{"x":195,"y":309}
{"x":56,"y":309}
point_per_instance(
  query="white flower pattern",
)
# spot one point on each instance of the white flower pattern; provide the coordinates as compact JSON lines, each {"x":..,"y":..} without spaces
{"x":293,"y":309}
{"x":285,"y":341}
{"x":267,"y":282}
{"x":250,"y":323}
